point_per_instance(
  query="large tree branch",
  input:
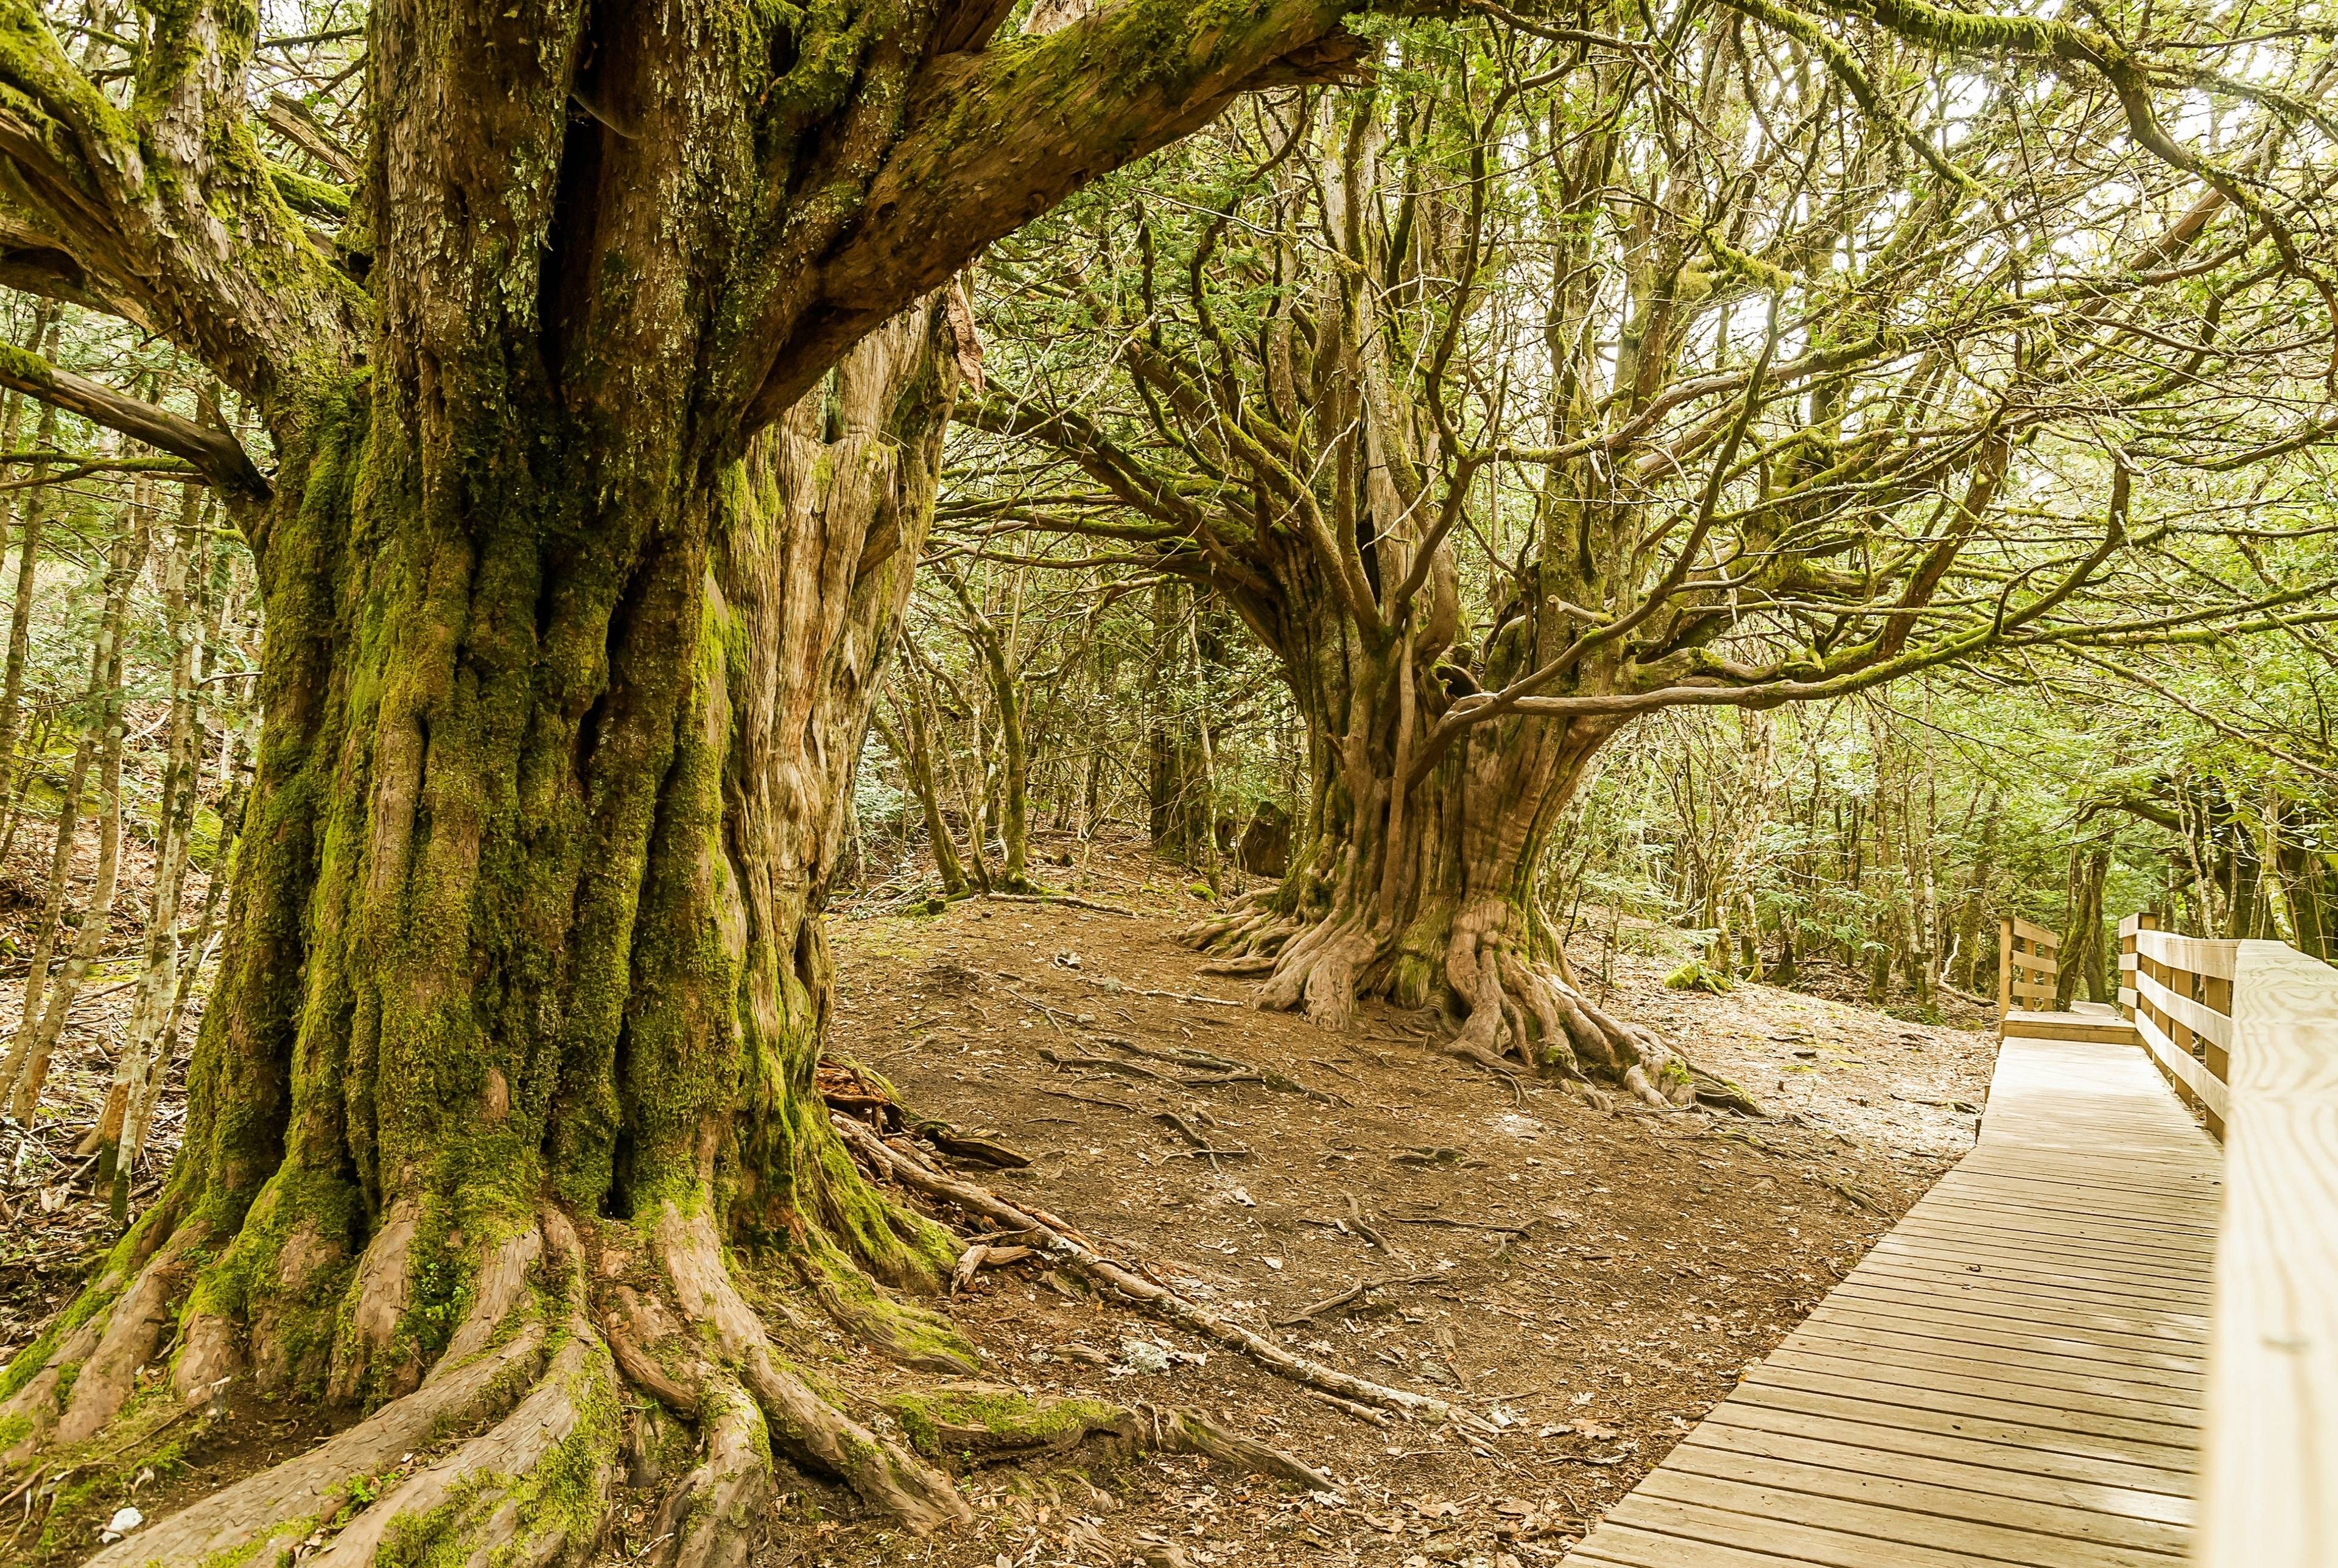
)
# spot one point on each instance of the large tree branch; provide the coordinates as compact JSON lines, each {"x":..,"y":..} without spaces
{"x":165,"y":212}
{"x":995,"y":138}
{"x":220,"y":455}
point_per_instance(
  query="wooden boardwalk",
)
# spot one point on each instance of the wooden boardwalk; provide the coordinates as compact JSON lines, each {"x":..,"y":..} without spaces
{"x":2012,"y":1375}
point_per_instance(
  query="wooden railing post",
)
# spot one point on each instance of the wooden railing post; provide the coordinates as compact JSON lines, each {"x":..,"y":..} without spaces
{"x":2004,"y":967}
{"x":2025,"y":952}
{"x":2129,"y":960}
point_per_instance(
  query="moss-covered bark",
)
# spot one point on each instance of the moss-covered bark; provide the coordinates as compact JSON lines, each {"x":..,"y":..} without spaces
{"x":526,"y":923}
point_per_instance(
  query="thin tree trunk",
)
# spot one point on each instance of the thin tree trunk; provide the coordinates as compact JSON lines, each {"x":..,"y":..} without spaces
{"x":138,"y":1063}
{"x":44,"y":726}
{"x":1014,"y":762}
{"x":1211,"y":856}
{"x":47,"y":924}
{"x":235,"y":784}
{"x":2081,"y":958}
{"x":1968,"y":917}
{"x":38,"y":1038}
{"x":910,"y":747}
{"x":20,"y":616}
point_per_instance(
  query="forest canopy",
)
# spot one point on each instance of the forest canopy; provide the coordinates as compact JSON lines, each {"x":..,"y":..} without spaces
{"x":516,"y":511}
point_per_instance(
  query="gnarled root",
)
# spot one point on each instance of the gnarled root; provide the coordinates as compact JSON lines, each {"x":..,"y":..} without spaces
{"x":1243,"y":936}
{"x":1514,"y":1007}
{"x":84,"y":1369}
{"x":885,"y":1476}
{"x":1065,"y":1243}
{"x":509,"y":1447}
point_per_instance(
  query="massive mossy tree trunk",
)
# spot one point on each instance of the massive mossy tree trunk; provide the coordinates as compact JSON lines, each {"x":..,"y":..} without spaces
{"x":530,"y":979}
{"x":604,"y":442}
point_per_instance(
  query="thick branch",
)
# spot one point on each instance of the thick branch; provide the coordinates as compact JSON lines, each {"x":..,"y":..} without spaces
{"x":220,"y":455}
{"x":998,"y":137}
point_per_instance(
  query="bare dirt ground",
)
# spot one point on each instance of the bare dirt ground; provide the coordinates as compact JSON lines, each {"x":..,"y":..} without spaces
{"x":1588,"y":1280}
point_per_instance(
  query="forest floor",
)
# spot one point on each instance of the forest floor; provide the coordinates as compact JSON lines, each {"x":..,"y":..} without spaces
{"x":52,"y":1226}
{"x":1590,"y":1280}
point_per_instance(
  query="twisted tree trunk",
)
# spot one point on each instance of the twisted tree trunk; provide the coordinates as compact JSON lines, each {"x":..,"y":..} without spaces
{"x":1426,"y":896}
{"x":517,"y":1038}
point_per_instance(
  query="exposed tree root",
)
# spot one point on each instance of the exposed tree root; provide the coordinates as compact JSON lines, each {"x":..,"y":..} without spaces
{"x":991,"y":1423}
{"x":1049,"y":1234}
{"x":84,"y":1370}
{"x":1519,"y":1012}
{"x":626,"y":1352}
{"x":709,"y":1520}
{"x":306,"y":1492}
{"x":805,"y":1425}
{"x":508,"y":1448}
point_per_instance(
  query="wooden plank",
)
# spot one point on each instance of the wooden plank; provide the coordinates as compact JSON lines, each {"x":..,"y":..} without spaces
{"x":1954,"y":1289}
{"x":1621,"y":1545}
{"x":2152,"y":1334}
{"x":1762,"y":1509}
{"x":2164,"y":1394}
{"x":1910,"y":1484}
{"x":1977,"y":1199}
{"x":2096,"y":1269}
{"x":2194,"y":955}
{"x":1684,"y":1526}
{"x":2131,"y":1238}
{"x":1949,"y":1374}
{"x":2135,"y":1348}
{"x":2047,"y":1457}
{"x":2185,"y":1068}
{"x":2270,"y":1491}
{"x":2049,"y":1272}
{"x":2030,"y":931}
{"x":2150,"y":1391}
{"x":2140,"y":1439}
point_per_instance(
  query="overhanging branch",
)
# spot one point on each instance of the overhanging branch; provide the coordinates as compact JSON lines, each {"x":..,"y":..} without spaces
{"x":220,"y":455}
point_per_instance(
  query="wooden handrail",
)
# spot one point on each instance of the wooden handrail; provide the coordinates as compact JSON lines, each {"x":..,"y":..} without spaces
{"x":2248,"y":1032}
{"x":2179,"y":991}
{"x":2026,"y":957}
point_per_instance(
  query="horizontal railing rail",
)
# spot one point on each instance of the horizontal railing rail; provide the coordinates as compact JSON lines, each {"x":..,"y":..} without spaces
{"x":2178,"y":990}
{"x":2247,"y":1031}
{"x":2026,"y":955}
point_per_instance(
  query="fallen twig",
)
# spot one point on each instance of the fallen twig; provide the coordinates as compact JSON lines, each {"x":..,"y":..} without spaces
{"x":1362,"y":1227}
{"x":1460,"y":1224}
{"x":1364,"y":1413}
{"x":1092,"y":1100}
{"x":1065,"y":899}
{"x":1108,"y":1065}
{"x":1222,"y":1070}
{"x":1051,"y":1014}
{"x":1964,"y":1107}
{"x":1063,"y":1242}
{"x":1356,"y":1292}
{"x":1112,"y":987}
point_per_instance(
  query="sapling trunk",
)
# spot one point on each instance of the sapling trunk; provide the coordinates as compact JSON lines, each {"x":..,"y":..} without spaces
{"x":912,"y":750}
{"x":38,"y":1040}
{"x":138,"y":1063}
{"x":28,"y":558}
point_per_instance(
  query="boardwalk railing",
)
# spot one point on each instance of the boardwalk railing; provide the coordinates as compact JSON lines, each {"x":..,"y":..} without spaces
{"x":2179,"y":991}
{"x":2026,"y":955}
{"x":2248,"y":1032}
